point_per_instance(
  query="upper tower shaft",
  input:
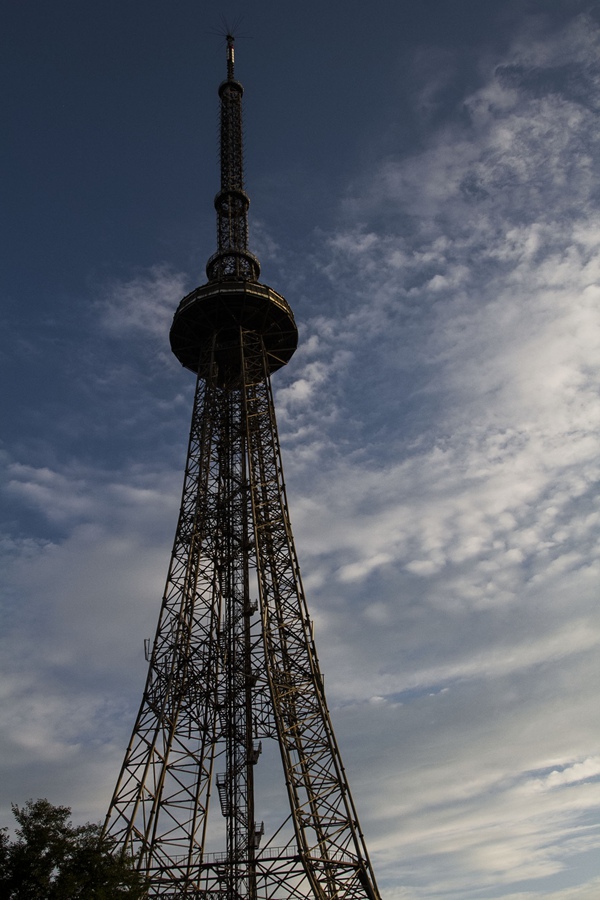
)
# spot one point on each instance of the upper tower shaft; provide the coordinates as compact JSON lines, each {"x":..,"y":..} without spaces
{"x":233,"y":300}
{"x":232,"y":259}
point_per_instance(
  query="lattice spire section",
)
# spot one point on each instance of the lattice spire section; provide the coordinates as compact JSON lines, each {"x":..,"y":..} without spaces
{"x":232,"y":259}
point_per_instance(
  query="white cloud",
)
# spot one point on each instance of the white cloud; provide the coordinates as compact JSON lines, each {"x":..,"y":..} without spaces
{"x":468,"y":543}
{"x":143,"y":304}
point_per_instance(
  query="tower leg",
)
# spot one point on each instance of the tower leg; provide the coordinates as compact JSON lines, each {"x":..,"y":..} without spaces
{"x":329,"y":841}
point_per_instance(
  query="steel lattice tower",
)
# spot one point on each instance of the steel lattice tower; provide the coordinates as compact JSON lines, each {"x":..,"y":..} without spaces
{"x":233,"y":662}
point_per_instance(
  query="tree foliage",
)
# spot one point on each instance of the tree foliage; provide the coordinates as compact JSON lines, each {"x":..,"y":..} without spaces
{"x":54,"y":860}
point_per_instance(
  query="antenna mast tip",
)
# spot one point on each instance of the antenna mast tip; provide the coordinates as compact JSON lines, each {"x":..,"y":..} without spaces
{"x":230,"y":56}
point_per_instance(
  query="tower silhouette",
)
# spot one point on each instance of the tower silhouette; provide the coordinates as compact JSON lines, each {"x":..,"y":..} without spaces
{"x":234,"y":692}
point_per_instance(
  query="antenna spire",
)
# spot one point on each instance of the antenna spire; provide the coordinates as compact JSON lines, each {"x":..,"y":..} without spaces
{"x":233,"y":260}
{"x":230,"y":56}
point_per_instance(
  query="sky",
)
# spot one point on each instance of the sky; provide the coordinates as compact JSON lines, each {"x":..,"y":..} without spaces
{"x":424,"y":183}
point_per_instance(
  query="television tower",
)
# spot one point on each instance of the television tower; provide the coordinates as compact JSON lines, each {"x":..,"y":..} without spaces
{"x":234,"y":695}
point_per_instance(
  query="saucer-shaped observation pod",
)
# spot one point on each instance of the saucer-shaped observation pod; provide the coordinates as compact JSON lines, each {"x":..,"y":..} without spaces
{"x":217,"y":315}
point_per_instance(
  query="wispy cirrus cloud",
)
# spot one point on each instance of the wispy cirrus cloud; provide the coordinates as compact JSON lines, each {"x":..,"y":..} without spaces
{"x":142,"y":304}
{"x":454,"y":503}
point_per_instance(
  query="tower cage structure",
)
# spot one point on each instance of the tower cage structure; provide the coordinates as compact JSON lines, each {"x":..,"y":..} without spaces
{"x":234,"y":692}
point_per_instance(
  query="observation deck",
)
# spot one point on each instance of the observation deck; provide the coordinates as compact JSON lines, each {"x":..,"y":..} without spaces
{"x":221,"y":309}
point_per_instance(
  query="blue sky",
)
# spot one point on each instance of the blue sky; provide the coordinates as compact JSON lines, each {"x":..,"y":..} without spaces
{"x":424,"y":184}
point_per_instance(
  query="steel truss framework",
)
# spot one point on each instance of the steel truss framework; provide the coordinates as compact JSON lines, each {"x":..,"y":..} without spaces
{"x":229,"y":670}
{"x":233,"y":666}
